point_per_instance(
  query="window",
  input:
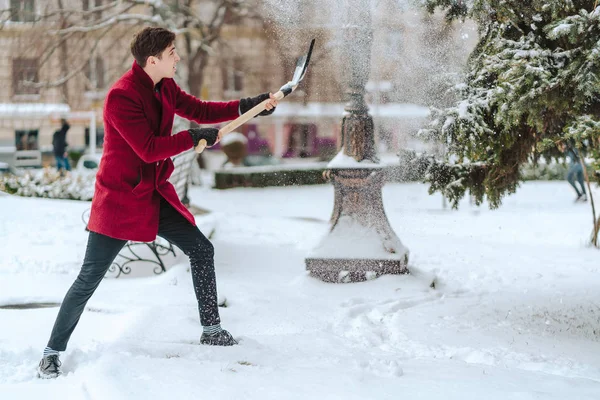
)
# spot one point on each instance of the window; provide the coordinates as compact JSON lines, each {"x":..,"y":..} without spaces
{"x":230,"y":17}
{"x":94,"y":72}
{"x":88,"y":5}
{"x":22,"y":10}
{"x":301,"y":141}
{"x":25,"y":70}
{"x":99,"y":136}
{"x":233,"y":77}
{"x":392,"y":44}
{"x":26,"y":139}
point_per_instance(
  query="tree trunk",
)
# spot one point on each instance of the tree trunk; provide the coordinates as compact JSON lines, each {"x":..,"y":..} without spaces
{"x":196,"y":68}
{"x":197,"y":62}
{"x":594,"y":237}
{"x":64,"y":67}
{"x":595,"y":222}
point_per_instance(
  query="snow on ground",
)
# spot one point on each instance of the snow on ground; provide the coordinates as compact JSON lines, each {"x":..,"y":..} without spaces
{"x":515,"y":313}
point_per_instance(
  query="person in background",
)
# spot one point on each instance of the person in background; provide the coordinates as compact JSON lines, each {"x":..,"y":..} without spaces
{"x":235,"y":147}
{"x":575,"y":172}
{"x":59,"y":144}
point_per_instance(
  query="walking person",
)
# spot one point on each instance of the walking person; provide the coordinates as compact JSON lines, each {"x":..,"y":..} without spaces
{"x":59,"y":145}
{"x":575,"y":172}
{"x":133,"y":199}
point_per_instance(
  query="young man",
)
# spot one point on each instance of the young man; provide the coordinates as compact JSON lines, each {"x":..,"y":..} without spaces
{"x":133,"y":199}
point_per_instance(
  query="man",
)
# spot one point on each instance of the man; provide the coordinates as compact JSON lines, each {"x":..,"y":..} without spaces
{"x":133,"y":199}
{"x":59,"y":143}
{"x":575,"y":171}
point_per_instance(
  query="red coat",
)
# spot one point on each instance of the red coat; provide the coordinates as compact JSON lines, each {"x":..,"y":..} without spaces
{"x":138,"y":144}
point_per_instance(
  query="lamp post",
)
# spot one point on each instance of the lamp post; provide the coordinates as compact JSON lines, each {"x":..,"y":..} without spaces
{"x":361,"y":240}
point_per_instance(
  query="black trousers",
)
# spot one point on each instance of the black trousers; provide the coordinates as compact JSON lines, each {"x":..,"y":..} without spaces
{"x":101,"y":252}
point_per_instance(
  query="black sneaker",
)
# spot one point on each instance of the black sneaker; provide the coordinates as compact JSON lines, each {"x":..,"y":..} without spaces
{"x":49,"y":367}
{"x":221,"y":338}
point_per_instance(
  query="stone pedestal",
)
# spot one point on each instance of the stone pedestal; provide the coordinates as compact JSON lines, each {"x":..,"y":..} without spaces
{"x":361,"y":243}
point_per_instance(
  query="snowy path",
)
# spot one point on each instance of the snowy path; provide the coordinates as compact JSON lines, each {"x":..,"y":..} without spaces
{"x":515,"y":313}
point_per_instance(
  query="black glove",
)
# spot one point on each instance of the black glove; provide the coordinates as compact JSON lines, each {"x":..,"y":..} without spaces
{"x":208,"y":134}
{"x":249,"y":102}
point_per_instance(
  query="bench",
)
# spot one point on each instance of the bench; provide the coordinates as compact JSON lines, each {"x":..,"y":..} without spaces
{"x":27,"y":158}
{"x":154,"y":254}
{"x":180,"y":178}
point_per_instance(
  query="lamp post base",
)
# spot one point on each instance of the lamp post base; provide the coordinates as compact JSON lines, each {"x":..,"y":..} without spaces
{"x":353,"y":270}
{"x":361,"y":243}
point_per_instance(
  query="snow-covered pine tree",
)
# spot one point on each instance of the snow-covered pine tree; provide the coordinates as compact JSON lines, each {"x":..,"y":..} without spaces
{"x":533,"y":79}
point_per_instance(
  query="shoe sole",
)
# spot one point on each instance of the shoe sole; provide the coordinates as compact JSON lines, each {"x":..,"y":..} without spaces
{"x":219,"y":344}
{"x":43,"y":375}
{"x":208,"y":343}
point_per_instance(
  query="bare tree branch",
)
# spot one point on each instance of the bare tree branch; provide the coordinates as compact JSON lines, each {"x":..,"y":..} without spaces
{"x":79,"y":11}
{"x":71,"y":26}
{"x":65,"y":79}
{"x":110,"y":22}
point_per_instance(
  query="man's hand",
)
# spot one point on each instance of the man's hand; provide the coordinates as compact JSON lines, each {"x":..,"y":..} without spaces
{"x":208,"y":134}
{"x":249,"y":102}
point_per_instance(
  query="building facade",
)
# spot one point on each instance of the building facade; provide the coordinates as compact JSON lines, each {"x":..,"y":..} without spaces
{"x":44,"y":78}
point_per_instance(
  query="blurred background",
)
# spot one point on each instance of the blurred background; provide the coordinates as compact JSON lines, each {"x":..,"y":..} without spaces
{"x":60,"y":57}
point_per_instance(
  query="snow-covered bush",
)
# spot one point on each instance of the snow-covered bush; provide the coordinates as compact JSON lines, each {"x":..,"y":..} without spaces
{"x":270,"y":175}
{"x":544,"y":172}
{"x":50,"y":184}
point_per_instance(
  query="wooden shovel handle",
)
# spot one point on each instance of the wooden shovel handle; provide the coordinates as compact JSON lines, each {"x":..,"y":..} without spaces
{"x":241,"y":120}
{"x":201,"y":146}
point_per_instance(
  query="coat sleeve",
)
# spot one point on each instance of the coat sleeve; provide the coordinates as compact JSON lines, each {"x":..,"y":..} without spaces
{"x":204,"y":112}
{"x":127,"y":116}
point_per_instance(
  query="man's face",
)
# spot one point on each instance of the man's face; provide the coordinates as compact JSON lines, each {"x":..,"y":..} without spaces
{"x":166,"y":65}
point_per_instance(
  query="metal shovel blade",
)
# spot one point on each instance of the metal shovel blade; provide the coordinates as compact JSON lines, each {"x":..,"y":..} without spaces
{"x":302,"y":65}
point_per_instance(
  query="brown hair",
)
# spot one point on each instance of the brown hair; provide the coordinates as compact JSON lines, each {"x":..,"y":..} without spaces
{"x":150,"y":42}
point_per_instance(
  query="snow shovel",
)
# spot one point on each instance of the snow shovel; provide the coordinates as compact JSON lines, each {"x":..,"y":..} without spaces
{"x":299,"y":72}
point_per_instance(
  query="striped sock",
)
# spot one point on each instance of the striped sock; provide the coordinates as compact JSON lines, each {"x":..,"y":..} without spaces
{"x":48,"y":352}
{"x":211,"y":330}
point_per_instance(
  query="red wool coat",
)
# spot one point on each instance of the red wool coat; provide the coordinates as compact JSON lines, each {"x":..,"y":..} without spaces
{"x":138,"y":144}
